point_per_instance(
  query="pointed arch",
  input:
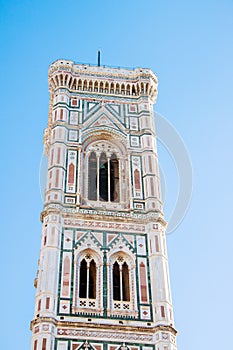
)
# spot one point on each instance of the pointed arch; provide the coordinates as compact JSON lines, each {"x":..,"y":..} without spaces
{"x":87,"y":279}
{"x":112,"y":88}
{"x":96,"y":86}
{"x":69,"y":81}
{"x":122,"y":282}
{"x":83,"y":279}
{"x":65,"y":79}
{"x":117,"y":88}
{"x":101,"y":89}
{"x":103,"y":177}
{"x":91,"y":85}
{"x":127,"y":89}
{"x":116,"y":281}
{"x":74,"y":84}
{"x":92,"y":177}
{"x":79,"y":84}
{"x":142,"y":88}
{"x":52,"y":82}
{"x":125,"y":282}
{"x":56,"y":80}
{"x":61,"y":79}
{"x":114,"y":179}
{"x":87,"y":294}
{"x":85,"y":85}
{"x":106,"y":87}
{"x":133,"y":90}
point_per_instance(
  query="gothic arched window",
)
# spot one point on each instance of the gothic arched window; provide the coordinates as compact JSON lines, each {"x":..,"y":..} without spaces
{"x":122,"y":285}
{"x":103,"y":177}
{"x":92,"y":190}
{"x":87,"y":279}
{"x":114,"y":179}
{"x":116,"y":281}
{"x":121,"y":288}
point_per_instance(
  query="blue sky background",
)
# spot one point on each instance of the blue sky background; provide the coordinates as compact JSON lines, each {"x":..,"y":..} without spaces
{"x":189,"y":46}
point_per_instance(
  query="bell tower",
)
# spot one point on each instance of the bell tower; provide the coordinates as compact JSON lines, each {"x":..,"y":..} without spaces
{"x":103,"y":280}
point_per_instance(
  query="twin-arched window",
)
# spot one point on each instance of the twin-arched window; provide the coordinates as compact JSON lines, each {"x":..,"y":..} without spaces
{"x":121,"y":289}
{"x":87,"y":279}
{"x":103,"y":178}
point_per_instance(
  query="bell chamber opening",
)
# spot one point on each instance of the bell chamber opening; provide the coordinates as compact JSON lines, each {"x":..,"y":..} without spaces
{"x":105,"y":172}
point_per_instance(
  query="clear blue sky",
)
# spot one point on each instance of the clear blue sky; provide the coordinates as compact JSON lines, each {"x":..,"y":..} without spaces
{"x":189,"y":45}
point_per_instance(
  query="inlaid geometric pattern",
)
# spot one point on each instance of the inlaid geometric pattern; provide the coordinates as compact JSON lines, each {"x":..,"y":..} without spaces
{"x":102,"y":280}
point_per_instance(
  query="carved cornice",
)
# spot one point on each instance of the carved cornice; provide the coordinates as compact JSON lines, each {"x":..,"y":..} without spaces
{"x":129,"y":217}
{"x":83,"y":326}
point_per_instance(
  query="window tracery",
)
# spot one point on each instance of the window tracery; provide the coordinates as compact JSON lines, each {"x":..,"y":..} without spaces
{"x":104,"y":168}
{"x":88,"y":281}
{"x":122,"y":285}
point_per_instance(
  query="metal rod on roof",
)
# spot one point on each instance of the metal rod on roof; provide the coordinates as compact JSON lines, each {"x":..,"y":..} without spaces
{"x":98,"y":58}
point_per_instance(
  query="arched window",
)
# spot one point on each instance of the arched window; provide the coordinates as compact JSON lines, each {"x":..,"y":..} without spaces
{"x":79,"y":84}
{"x":91,"y":86}
{"x":112,"y":88}
{"x":116,"y":281}
{"x":107,"y":87}
{"x":92,"y":180}
{"x":87,"y":279}
{"x":103,"y":178}
{"x":121,"y":288}
{"x":125,"y":282}
{"x":65,"y":81}
{"x":101,"y":86}
{"x":122,"y":284}
{"x":85,"y":85}
{"x":114,"y":179}
{"x":83,"y":279}
{"x":96,"y":86}
{"x":133,"y":90}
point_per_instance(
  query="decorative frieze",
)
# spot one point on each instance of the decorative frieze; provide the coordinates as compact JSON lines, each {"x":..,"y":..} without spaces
{"x":103,"y":225}
{"x":110,"y":335}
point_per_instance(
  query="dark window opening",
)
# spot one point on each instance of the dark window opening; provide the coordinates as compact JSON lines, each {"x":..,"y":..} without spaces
{"x":92,"y":190}
{"x":103,"y":181}
{"x":83,"y":279}
{"x":116,"y":282}
{"x":114,"y":179}
{"x":125,"y":282}
{"x":92,"y":280}
{"x":121,"y":289}
{"x":103,"y":178}
{"x":87,"y":280}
